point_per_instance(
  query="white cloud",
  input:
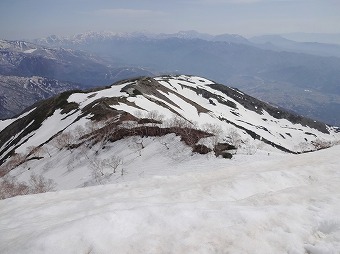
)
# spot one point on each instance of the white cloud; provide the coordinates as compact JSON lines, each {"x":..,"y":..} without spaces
{"x":127,"y":12}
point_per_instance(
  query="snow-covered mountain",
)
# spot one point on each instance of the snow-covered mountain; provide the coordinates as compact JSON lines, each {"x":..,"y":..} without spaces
{"x":156,"y":140}
{"x":65,"y":137}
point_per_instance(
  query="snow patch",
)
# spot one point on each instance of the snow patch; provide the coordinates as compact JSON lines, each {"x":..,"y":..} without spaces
{"x":29,"y":51}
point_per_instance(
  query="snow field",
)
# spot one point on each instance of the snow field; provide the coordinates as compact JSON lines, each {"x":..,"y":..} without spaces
{"x":277,"y":204}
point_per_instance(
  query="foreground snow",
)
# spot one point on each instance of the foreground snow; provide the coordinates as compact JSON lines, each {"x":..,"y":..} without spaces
{"x":281,"y":204}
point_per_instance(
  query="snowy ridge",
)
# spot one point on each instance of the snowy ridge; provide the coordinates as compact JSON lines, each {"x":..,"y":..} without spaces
{"x":198,"y":101}
{"x":242,"y":120}
{"x":281,"y":132}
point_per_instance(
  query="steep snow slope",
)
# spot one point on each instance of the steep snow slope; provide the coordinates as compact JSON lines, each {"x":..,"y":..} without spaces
{"x":272,"y":204}
{"x":7,"y":122}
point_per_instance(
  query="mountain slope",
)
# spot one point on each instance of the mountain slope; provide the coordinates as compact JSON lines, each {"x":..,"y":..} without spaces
{"x":26,"y":59}
{"x":19,"y":58}
{"x":63,"y":136}
{"x":18,"y":93}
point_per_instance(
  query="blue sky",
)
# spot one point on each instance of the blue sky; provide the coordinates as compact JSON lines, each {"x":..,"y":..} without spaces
{"x":20,"y":19}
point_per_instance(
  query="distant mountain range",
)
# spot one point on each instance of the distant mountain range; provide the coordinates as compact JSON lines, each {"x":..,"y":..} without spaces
{"x":303,"y":77}
{"x":271,"y":68}
{"x":270,"y":42}
{"x":94,"y":37}
{"x":25,"y":59}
